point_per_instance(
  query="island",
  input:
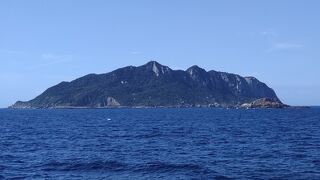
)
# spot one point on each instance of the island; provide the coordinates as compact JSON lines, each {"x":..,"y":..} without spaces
{"x":155,"y":85}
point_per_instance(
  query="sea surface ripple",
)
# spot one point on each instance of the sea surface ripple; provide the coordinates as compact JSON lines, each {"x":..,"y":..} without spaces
{"x":195,"y":143}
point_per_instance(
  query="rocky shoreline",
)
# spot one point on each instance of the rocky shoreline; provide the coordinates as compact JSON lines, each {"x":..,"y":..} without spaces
{"x":262,"y":103}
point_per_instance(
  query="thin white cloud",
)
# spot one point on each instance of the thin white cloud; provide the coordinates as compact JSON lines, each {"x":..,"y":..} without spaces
{"x":49,"y":59}
{"x":284,"y":46}
{"x":269,"y":33}
{"x":48,"y":56}
{"x":273,"y":40}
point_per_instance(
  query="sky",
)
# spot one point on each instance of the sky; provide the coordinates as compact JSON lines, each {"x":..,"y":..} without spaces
{"x":45,"y":42}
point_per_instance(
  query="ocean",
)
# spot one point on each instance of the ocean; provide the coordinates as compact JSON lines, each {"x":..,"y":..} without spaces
{"x":172,"y":143}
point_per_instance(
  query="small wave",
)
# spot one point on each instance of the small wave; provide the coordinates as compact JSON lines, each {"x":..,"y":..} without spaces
{"x":150,"y":167}
{"x":167,"y":167}
{"x":152,"y":134}
{"x":84,"y":166}
{"x":220,"y":177}
{"x":14,"y":177}
{"x":2,"y":167}
{"x":7,"y":156}
{"x":146,"y":136}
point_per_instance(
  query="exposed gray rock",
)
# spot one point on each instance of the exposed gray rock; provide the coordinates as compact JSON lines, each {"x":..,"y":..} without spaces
{"x":112,"y":102}
{"x":264,"y":103}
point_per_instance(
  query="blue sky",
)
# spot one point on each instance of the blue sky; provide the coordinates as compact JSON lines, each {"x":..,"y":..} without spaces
{"x":45,"y":42}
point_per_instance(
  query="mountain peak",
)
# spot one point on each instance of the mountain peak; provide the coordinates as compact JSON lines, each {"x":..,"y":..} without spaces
{"x":196,"y":70}
{"x":195,"y":67}
{"x":250,"y":79}
{"x":152,"y":62}
{"x":157,"y":68}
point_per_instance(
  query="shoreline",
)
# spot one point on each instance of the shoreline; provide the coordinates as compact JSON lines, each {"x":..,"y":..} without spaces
{"x":158,"y":107}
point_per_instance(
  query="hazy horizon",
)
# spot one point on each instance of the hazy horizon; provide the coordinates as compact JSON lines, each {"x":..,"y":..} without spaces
{"x":45,"y":42}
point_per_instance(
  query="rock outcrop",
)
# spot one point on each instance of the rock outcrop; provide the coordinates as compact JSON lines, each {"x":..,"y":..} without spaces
{"x":264,"y":103}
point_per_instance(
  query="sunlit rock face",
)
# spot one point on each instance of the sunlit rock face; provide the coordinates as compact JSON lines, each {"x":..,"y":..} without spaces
{"x":264,"y":103}
{"x":153,"y":85}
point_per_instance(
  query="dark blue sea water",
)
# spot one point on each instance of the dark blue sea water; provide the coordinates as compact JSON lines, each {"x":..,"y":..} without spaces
{"x":160,"y":144}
